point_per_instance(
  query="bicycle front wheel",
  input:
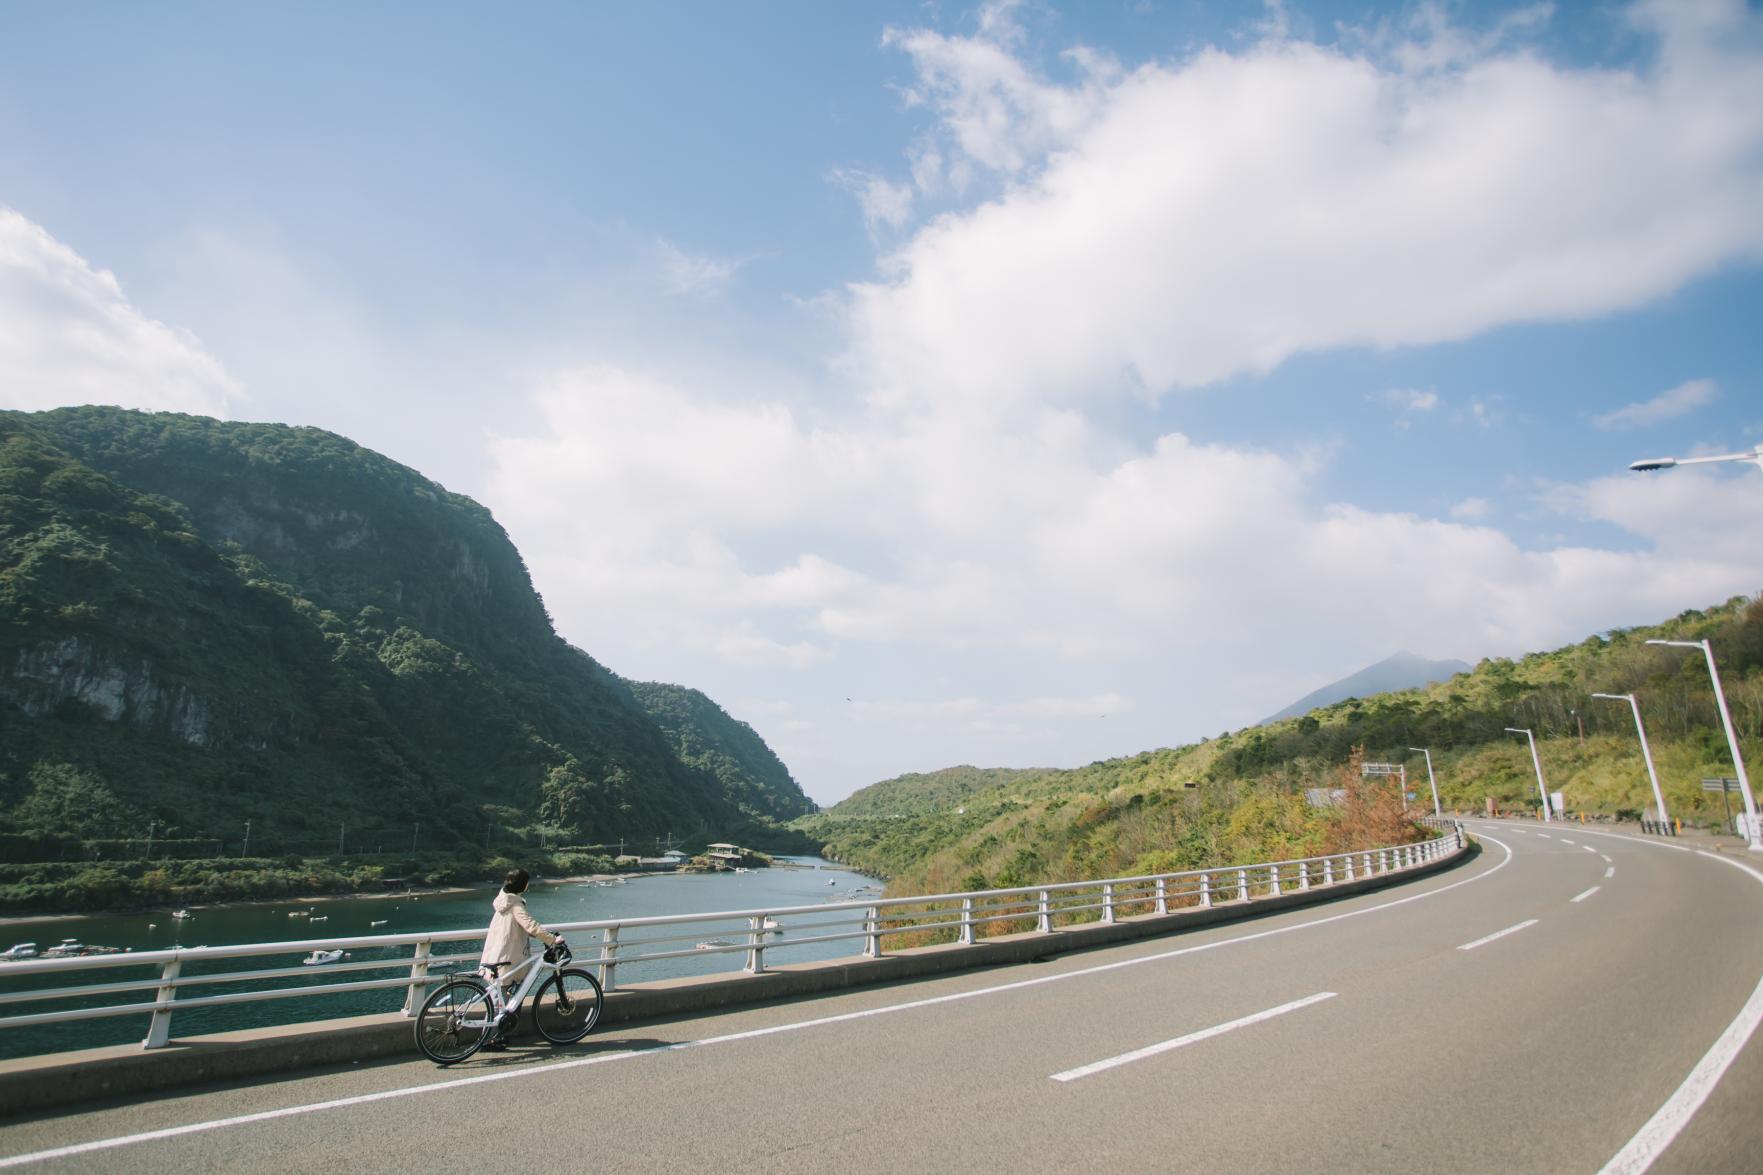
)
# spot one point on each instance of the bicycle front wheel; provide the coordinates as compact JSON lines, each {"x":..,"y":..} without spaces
{"x":568,"y":1006}
{"x":455,"y":1021}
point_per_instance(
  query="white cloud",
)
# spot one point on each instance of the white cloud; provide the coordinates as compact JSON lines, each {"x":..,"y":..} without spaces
{"x":885,"y":205}
{"x":1667,"y":405}
{"x":1196,"y":219}
{"x":695,"y":273}
{"x":1411,"y":399}
{"x":69,"y":335}
{"x":1472,"y":509}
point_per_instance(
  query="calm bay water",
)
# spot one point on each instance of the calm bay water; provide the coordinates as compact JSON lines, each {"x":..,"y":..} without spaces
{"x":809,"y":881}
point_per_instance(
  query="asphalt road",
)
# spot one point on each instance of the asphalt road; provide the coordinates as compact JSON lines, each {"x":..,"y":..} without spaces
{"x":1564,"y":1001}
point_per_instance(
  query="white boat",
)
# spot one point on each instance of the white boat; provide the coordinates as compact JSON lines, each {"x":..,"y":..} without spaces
{"x":182,"y":914}
{"x":771,"y":925}
{"x":380,"y":922}
{"x":319,"y":958}
{"x":714,"y":944}
{"x":299,"y":913}
{"x":65,"y":949}
{"x":23,"y":950}
{"x":321,"y":917}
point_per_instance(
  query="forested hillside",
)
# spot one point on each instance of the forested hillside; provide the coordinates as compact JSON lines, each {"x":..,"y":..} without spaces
{"x":1241,"y":796}
{"x":206,"y":623}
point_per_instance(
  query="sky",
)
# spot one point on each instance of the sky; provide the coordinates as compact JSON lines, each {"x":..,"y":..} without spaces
{"x":1017,"y":384}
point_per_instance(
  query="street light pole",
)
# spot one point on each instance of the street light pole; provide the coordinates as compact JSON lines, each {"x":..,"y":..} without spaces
{"x":1427,"y":751}
{"x":1646,"y":751}
{"x":1752,"y":832}
{"x":1542,"y":788}
{"x":1653,"y":463}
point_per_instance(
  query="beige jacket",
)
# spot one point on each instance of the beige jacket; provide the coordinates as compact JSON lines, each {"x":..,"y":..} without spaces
{"x":510,"y":929}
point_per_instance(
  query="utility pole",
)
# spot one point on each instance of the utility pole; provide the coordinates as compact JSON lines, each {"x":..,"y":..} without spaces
{"x":151,"y":825}
{"x":245,"y":849}
{"x":413,"y":833}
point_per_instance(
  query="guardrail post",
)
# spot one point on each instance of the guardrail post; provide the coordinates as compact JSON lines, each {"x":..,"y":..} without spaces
{"x":1162,"y":896}
{"x":966,"y":922}
{"x":1303,"y":875}
{"x":756,"y":944}
{"x":1365,"y":864}
{"x":1328,"y":871}
{"x":159,"y":1029}
{"x":1348,"y":860}
{"x":1044,"y":922}
{"x":1107,"y":901}
{"x":1242,"y":885}
{"x":608,"y":958}
{"x":1205,"y":889}
{"x":419,"y":974}
{"x":872,"y":933}
{"x":1273,"y":880}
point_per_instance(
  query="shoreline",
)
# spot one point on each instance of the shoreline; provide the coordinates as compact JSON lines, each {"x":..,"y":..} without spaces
{"x":310,"y":899}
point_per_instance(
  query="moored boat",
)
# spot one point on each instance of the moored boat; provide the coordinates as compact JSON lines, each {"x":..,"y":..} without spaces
{"x":23,"y":950}
{"x":319,"y":958}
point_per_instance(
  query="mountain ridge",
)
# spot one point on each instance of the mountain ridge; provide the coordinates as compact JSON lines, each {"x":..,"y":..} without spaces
{"x":1398,"y":671}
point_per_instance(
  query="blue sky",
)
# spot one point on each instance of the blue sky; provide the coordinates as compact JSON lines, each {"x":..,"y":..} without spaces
{"x":1014,"y":384}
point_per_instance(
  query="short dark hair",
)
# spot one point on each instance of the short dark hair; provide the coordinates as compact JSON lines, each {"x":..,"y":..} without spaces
{"x":516,"y":881}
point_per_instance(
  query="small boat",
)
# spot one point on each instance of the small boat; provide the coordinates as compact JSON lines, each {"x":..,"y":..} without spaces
{"x":152,"y":926}
{"x":320,"y":958}
{"x":380,"y":922}
{"x":321,"y":917}
{"x":714,"y":943}
{"x":65,"y":949}
{"x":182,"y":914}
{"x":299,"y":913}
{"x":833,"y":881}
{"x":23,"y":950}
{"x":771,"y":925}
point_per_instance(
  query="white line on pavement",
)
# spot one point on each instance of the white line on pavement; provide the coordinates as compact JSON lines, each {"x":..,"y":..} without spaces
{"x":1191,"y":1038}
{"x":1565,"y":841}
{"x":1588,"y":893}
{"x":1610,"y":872}
{"x":1590,"y":849}
{"x":1652,"y":1139}
{"x":1470,"y":946}
{"x":104,"y":1144}
{"x":1545,"y":836}
{"x":1605,"y":857}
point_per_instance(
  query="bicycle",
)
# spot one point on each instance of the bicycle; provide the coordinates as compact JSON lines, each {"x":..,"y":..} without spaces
{"x":463,"y":1014}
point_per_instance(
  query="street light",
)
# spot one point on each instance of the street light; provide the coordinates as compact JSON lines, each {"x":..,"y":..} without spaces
{"x":1427,"y":751}
{"x":1653,"y":463}
{"x":1542,"y":788}
{"x":1732,"y":740}
{"x":1646,"y":751}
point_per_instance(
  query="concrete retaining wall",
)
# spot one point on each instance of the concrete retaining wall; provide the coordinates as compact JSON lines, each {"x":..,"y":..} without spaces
{"x":35,"y":1083}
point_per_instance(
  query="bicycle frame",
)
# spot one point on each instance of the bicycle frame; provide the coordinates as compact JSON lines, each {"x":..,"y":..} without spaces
{"x":536,"y":968}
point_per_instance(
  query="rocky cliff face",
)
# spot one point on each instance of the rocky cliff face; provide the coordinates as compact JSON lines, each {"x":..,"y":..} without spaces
{"x":46,"y":677}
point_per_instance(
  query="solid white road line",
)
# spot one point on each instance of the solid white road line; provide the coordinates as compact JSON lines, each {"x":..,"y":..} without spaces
{"x":104,"y":1144}
{"x":1588,"y":893}
{"x":1153,"y":1050}
{"x":1652,"y":1139}
{"x":1470,"y":946}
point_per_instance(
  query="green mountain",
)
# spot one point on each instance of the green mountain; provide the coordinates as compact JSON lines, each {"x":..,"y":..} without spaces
{"x":1242,"y":796}
{"x":205,"y":623}
{"x":1402,"y":671}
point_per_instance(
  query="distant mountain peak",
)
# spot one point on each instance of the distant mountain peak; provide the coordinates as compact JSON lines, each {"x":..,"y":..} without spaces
{"x":1398,"y":671}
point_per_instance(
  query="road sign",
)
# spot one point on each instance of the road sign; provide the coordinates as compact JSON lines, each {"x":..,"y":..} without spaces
{"x":1719,"y":785}
{"x":1380,"y":769}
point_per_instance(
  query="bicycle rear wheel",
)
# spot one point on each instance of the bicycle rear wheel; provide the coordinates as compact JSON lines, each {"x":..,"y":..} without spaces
{"x":567,"y":1007}
{"x":455,"y":1021}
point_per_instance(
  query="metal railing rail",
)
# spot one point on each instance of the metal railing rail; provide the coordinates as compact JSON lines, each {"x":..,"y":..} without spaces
{"x":633,"y":942}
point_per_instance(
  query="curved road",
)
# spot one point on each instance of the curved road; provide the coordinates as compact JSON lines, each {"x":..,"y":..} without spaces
{"x":1571,"y":1000}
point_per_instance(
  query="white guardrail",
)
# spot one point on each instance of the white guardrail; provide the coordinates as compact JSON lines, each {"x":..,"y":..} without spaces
{"x":633,"y":942}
